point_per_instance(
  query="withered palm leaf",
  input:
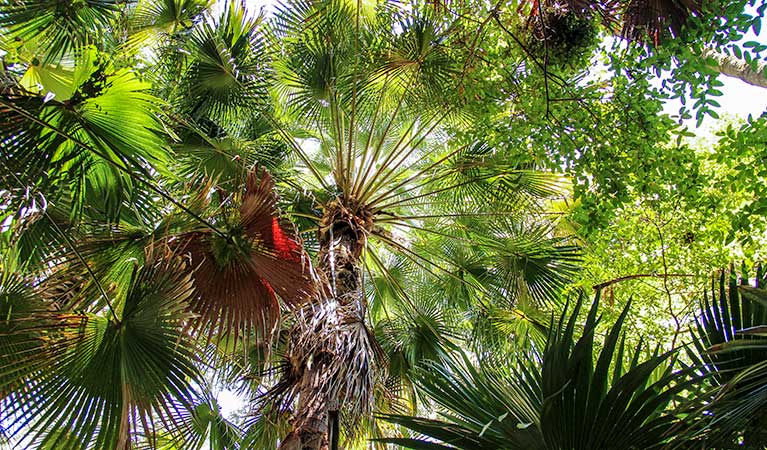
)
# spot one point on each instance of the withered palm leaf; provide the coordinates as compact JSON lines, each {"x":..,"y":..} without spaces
{"x":649,"y":20}
{"x":238,"y":278}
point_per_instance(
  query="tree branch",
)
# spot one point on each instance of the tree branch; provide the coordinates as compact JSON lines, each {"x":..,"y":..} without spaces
{"x":641,"y":275}
{"x":735,"y":67}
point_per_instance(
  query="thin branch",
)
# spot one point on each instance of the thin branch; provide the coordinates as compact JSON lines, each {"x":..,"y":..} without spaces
{"x":665,"y":285}
{"x":641,"y":275}
{"x":473,"y":48}
{"x":545,"y":59}
{"x":71,"y":245}
{"x":527,"y":52}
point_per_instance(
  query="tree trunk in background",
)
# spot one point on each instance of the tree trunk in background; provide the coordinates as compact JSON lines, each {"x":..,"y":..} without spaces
{"x":738,"y":68}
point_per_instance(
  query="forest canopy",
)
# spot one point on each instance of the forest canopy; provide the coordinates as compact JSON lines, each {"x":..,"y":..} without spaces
{"x":443,"y":224}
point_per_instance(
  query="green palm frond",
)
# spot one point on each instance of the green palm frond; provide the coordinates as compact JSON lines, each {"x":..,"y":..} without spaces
{"x":227,"y":67}
{"x":416,"y":333}
{"x":482,"y":409}
{"x":620,"y":399}
{"x":226,"y":160}
{"x":97,"y":380}
{"x":318,"y":56}
{"x":494,"y":254}
{"x":201,"y":427}
{"x":498,"y":329}
{"x":732,"y":352}
{"x":58,"y":28}
{"x":87,"y":143}
{"x":155,"y":23}
{"x":265,"y":429}
{"x":527,"y":261}
{"x":420,"y":52}
{"x":558,"y":397}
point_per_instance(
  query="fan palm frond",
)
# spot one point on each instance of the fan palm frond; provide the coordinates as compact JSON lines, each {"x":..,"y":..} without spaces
{"x":651,"y":20}
{"x":58,"y":28}
{"x":87,"y":144}
{"x":554,"y":398}
{"x":201,"y":427}
{"x":239,"y":277}
{"x":732,"y":352}
{"x":154,"y":23}
{"x":227,"y":68}
{"x":92,"y":381}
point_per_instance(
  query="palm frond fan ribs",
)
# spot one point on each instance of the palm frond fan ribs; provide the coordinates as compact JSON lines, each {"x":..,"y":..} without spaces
{"x":240,"y":279}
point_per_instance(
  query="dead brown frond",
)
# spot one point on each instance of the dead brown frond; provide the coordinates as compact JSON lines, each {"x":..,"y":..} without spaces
{"x":330,"y":343}
{"x":240,"y":278}
{"x":648,"y":20}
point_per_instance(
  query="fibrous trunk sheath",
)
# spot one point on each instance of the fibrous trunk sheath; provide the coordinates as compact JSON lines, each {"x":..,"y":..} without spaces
{"x":329,"y":347}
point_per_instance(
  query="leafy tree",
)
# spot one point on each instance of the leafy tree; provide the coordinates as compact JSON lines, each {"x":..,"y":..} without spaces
{"x":307,"y":207}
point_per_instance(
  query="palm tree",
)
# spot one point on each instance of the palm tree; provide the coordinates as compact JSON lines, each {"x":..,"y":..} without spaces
{"x":288,"y":205}
{"x":145,"y":244}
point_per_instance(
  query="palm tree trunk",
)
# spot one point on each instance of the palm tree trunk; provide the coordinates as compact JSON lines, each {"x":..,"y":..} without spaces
{"x":735,"y":67}
{"x":323,"y":366}
{"x":311,"y":427}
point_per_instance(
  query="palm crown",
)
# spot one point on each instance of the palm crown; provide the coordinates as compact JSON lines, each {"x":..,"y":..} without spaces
{"x":146,"y":231}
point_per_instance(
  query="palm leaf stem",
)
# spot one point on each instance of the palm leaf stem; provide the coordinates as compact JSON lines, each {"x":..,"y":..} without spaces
{"x":485,"y":244}
{"x":381,"y":141}
{"x":363,"y":159}
{"x":338,"y":135}
{"x":438,"y":233}
{"x":436,"y":191}
{"x":353,"y":115}
{"x":417,"y":174}
{"x":306,"y":216}
{"x":394,"y":218}
{"x":398,"y":151}
{"x":368,"y":184}
{"x":473,"y":48}
{"x":398,"y":286}
{"x":297,"y":148}
{"x":386,"y":274}
{"x":431,"y":180}
{"x":415,"y":257}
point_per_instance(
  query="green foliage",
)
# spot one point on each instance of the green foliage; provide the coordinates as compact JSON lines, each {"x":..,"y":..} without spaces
{"x":729,"y":340}
{"x":85,"y":375}
{"x":561,"y":37}
{"x":461,"y":164}
{"x":567,"y":395}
